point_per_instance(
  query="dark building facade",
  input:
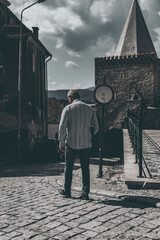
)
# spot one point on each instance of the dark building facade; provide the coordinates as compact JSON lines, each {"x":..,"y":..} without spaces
{"x":33,"y":86}
{"x":133,"y":73}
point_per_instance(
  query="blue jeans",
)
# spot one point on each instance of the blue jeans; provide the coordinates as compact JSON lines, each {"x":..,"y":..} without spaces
{"x":70,"y":155}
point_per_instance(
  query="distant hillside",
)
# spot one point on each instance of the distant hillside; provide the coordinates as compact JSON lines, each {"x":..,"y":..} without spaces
{"x":85,"y":94}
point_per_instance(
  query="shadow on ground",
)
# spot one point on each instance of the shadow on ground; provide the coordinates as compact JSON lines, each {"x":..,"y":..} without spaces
{"x":12,"y":168}
{"x":9,"y":167}
{"x":141,"y":202}
{"x":134,"y":202}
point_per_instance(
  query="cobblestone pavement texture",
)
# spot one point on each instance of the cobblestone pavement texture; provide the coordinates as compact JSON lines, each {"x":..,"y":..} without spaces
{"x":31,"y":207}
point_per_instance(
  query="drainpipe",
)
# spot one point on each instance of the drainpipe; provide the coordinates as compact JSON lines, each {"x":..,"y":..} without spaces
{"x":46,"y":77}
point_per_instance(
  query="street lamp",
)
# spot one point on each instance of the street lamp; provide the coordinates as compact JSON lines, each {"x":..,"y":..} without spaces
{"x":20,"y":77}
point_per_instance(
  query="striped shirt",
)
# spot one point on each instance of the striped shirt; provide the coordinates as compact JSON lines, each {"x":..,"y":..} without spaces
{"x":74,"y":129}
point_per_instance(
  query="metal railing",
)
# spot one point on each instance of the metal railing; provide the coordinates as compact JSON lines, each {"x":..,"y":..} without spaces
{"x":135,"y":133}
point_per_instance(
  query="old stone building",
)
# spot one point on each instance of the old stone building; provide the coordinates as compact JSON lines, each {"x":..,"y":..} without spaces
{"x":33,"y":122}
{"x":133,"y":73}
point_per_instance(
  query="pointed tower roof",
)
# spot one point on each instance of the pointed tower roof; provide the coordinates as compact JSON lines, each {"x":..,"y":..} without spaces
{"x":135,"y":37}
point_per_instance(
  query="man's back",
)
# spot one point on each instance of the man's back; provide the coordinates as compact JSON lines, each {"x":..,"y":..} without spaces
{"x":77,"y":118}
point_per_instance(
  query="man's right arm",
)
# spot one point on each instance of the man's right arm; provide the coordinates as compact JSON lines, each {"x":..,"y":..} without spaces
{"x":62,"y":128}
{"x":94,"y":123}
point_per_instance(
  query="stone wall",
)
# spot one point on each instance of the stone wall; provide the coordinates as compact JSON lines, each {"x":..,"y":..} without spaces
{"x":151,"y":118}
{"x":134,"y":80}
{"x":52,"y":130}
{"x":157,"y":85}
{"x":55,"y":108}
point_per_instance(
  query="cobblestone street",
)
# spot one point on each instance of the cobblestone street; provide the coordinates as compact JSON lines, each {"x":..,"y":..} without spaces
{"x":31,"y":207}
{"x":80,"y":79}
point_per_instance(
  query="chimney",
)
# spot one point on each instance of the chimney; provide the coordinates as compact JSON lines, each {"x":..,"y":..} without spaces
{"x":5,"y":2}
{"x":35,"y":31}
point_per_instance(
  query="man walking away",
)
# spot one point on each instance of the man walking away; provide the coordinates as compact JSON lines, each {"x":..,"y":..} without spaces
{"x":75,"y":138}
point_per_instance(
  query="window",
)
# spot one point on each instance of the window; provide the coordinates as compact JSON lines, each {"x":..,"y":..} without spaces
{"x":124,"y":75}
{"x":135,"y":97}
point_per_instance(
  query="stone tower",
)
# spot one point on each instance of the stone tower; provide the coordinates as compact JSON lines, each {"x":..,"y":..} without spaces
{"x":133,"y":72}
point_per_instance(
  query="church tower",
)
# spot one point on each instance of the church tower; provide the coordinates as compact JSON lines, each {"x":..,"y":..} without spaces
{"x":133,"y":72}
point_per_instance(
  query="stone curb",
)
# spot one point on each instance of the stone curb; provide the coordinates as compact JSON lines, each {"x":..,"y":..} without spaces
{"x":152,"y":202}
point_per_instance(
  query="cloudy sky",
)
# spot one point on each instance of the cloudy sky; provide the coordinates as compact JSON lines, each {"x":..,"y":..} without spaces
{"x":77,"y":31}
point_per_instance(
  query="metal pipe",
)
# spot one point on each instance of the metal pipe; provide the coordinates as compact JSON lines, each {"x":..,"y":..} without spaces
{"x":140,"y":142}
{"x":100,"y":174}
{"x":46,"y":77}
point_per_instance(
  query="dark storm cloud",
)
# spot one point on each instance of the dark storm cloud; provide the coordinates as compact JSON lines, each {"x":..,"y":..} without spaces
{"x":93,"y":27}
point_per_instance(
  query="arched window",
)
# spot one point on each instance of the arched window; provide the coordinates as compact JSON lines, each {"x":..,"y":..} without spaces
{"x":135,"y":97}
